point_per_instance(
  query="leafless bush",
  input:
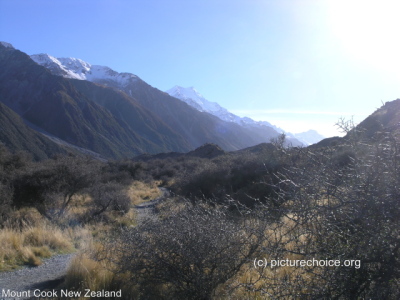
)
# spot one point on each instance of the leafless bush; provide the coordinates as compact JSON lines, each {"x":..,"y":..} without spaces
{"x":108,"y":196}
{"x":187,"y":254}
{"x":339,"y":212}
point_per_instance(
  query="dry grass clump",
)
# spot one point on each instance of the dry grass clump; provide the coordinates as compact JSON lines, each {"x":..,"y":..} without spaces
{"x":85,"y":272}
{"x":77,"y":211}
{"x":125,"y":220}
{"x":140,"y":192}
{"x":31,"y":238}
{"x":29,"y":245}
{"x":24,"y":217}
{"x":52,"y":237}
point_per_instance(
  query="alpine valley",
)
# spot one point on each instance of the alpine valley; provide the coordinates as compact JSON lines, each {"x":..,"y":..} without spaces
{"x":50,"y":105}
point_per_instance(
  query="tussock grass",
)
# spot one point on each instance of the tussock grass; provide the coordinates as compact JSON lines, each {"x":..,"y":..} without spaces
{"x":140,"y":192}
{"x":85,"y":272}
{"x":126,"y":220}
{"x":32,"y":238}
{"x":24,"y":217}
{"x":52,"y":237}
{"x":79,"y":208}
{"x":29,"y":245}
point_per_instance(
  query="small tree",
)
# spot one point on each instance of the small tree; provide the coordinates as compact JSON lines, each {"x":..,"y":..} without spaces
{"x":51,"y":185}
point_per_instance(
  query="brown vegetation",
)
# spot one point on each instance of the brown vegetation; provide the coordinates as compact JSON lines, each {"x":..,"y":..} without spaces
{"x":335,"y":203}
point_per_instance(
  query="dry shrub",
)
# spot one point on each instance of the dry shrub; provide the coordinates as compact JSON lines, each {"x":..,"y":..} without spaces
{"x":282,"y":240}
{"x":125,"y":220}
{"x":77,"y":211}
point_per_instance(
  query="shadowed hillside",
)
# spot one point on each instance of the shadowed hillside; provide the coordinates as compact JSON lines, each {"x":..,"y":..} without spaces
{"x":18,"y":137}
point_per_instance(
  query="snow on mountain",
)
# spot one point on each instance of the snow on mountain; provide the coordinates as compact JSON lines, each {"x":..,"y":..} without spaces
{"x":7,"y":45}
{"x":309,"y":137}
{"x":192,"y":97}
{"x":79,"y":69}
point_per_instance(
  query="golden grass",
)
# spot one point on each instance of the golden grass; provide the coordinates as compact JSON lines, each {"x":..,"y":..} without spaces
{"x":28,"y":237}
{"x":140,"y":192}
{"x":87,"y":273}
{"x":80,"y":206}
{"x":29,"y":245}
{"x":126,"y":220}
{"x":24,"y":217}
{"x":52,"y":237}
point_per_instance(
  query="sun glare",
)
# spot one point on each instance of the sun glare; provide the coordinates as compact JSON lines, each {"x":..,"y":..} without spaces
{"x":368,"y":31}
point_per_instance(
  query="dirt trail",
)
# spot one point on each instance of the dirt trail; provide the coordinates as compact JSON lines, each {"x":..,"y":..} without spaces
{"x":145,"y":210}
{"x":46,"y":276}
{"x":51,"y":273}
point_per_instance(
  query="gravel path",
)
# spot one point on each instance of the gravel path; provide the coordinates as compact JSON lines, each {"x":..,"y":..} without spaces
{"x":46,"y":276}
{"x":145,"y":210}
{"x":51,"y":272}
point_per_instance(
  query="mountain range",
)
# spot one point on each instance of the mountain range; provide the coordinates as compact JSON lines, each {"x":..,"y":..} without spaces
{"x":192,"y":97}
{"x":57,"y":105}
{"x":127,"y":82}
{"x":93,"y":109}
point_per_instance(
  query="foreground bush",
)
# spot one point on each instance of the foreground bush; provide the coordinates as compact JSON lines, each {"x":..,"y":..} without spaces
{"x":185,"y":255}
{"x":346,"y":211}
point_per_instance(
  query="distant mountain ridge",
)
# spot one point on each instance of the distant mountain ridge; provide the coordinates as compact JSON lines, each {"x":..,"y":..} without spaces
{"x":256,"y":132}
{"x":113,"y":115}
{"x":118,"y":115}
{"x":95,"y":118}
{"x":78,"y":69}
{"x":192,"y":97}
{"x":81,"y":70}
{"x":309,"y":137}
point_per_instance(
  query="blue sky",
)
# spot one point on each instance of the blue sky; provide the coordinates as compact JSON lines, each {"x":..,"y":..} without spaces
{"x":299,"y":64}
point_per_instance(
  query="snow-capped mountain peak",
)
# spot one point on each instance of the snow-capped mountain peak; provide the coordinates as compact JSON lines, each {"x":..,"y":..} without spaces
{"x":7,"y":45}
{"x":309,"y":137}
{"x":78,"y":69}
{"x":192,"y":97}
{"x":66,"y":67}
{"x":76,"y":65}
